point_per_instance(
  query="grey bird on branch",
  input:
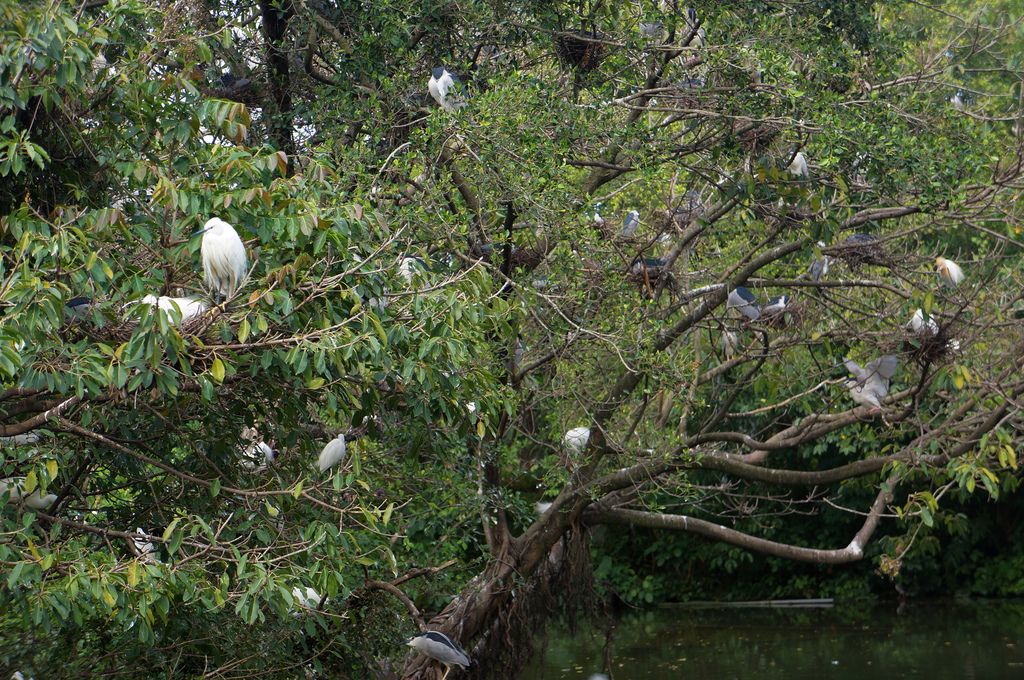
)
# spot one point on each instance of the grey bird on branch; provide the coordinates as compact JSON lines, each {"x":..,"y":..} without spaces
{"x":440,"y":647}
{"x":870,"y":385}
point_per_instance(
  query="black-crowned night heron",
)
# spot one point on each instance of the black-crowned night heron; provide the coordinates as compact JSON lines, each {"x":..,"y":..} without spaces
{"x":870,"y":385}
{"x":412,"y":267}
{"x":859,"y":239}
{"x":440,"y":647}
{"x":576,"y":439}
{"x":918,"y":323}
{"x":629,"y":223}
{"x":256,"y":457}
{"x":225,"y":264}
{"x":446,"y":89}
{"x":949,"y":271}
{"x":332,"y":454}
{"x":730,"y":343}
{"x":746,"y":302}
{"x":775,"y":305}
{"x":700,"y":36}
{"x":819,"y":268}
{"x":188,"y":307}
{"x":17,"y":488}
{"x":652,"y":265}
{"x":798,"y":168}
{"x":79,"y":306}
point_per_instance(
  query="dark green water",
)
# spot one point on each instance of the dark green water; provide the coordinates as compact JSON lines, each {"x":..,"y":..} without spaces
{"x":937,"y":641}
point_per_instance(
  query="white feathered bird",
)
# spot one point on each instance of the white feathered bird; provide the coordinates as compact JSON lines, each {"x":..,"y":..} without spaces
{"x":576,"y":439}
{"x":798,"y":168}
{"x":16,"y":487}
{"x":917,"y":323}
{"x":333,"y":454}
{"x":188,"y":307}
{"x":225,"y":263}
{"x":446,"y":89}
{"x":949,"y":271}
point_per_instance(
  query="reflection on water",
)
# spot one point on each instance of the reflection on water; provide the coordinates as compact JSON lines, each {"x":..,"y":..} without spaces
{"x":934,"y":640}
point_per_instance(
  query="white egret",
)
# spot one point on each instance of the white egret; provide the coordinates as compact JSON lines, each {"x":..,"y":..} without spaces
{"x":446,"y":89}
{"x":257,"y":456}
{"x":16,"y":487}
{"x":576,"y":439}
{"x":307,"y":597}
{"x":917,"y":323}
{"x":949,"y":271}
{"x":870,"y":385}
{"x":333,"y":453}
{"x":440,"y":647}
{"x":188,"y":307}
{"x":224,"y":260}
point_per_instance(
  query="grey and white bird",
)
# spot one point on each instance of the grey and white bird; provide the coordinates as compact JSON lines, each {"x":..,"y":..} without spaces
{"x":333,"y":454}
{"x":746,"y":302}
{"x":446,"y":89}
{"x":440,"y":647}
{"x":630,"y":223}
{"x":730,"y":344}
{"x":225,"y":264}
{"x":775,"y":305}
{"x":16,"y":487}
{"x":798,"y":168}
{"x":870,"y":385}
{"x":257,"y":456}
{"x":412,"y":268}
{"x":576,"y":439}
{"x":700,"y":37}
{"x":143,"y":547}
{"x":78,"y":306}
{"x":819,"y":268}
{"x":188,"y":307}
{"x":917,"y":323}
{"x":20,"y":439}
{"x":652,"y":266}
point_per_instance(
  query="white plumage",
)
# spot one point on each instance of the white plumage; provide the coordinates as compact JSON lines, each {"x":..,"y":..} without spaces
{"x":949,"y":271}
{"x":917,"y":323}
{"x":16,"y":487}
{"x":225,"y":264}
{"x":798,"y":167}
{"x":333,"y":453}
{"x":446,"y":89}
{"x":576,"y":439}
{"x":257,"y":456}
{"x":188,"y":307}
{"x":309,"y":599}
{"x":20,"y":439}
{"x":412,"y":268}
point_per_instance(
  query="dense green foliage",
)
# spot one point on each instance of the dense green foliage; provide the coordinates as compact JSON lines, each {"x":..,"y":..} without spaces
{"x":306,"y":125}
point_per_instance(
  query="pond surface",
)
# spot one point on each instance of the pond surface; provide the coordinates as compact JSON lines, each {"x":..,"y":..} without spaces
{"x":965,"y":640}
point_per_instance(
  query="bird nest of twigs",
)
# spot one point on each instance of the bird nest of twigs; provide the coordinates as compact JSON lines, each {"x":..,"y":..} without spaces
{"x":580,"y":50}
{"x":689,"y":94}
{"x":924,"y":347}
{"x":856,"y":254}
{"x":758,"y":139}
{"x":789,"y":216}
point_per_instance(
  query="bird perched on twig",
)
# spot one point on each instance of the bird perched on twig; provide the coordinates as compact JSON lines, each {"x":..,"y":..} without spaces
{"x":949,"y":271}
{"x":18,"y":494}
{"x":775,"y":306}
{"x":188,"y":307}
{"x":730,"y":343}
{"x":412,"y":268}
{"x":225,"y":264}
{"x":819,"y":268}
{"x":746,"y":302}
{"x":440,"y":647}
{"x":576,"y":439}
{"x":798,"y":168}
{"x":870,"y":385}
{"x":629,"y":223}
{"x":446,"y":89}
{"x":332,"y":454}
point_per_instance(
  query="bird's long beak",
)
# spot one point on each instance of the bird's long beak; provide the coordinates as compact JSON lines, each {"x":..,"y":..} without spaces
{"x":201,"y":231}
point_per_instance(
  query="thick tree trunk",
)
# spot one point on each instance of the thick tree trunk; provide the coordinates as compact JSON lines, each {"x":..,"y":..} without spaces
{"x":277,"y":109}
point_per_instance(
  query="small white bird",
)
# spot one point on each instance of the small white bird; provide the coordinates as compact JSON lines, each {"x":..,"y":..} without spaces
{"x":799,"y":167}
{"x":949,"y":271}
{"x":576,"y":439}
{"x":446,"y":89}
{"x":310,"y":599}
{"x":870,"y":385}
{"x":225,"y":263}
{"x":188,"y":307}
{"x":917,"y":323}
{"x":541,"y":507}
{"x":16,"y":487}
{"x":333,"y":453}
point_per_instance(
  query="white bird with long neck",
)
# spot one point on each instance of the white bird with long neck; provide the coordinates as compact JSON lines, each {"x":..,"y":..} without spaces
{"x":225,"y":263}
{"x":332,"y":454}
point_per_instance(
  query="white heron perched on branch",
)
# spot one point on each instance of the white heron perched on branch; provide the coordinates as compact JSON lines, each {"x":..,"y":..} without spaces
{"x":333,"y":453}
{"x":949,"y":271}
{"x":225,"y":264}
